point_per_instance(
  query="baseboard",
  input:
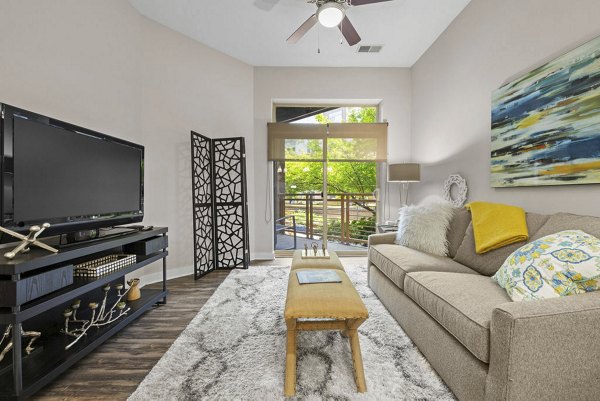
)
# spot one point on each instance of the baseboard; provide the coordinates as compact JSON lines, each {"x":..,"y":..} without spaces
{"x":171,"y":273}
{"x":189,"y":270}
{"x":262,"y":256}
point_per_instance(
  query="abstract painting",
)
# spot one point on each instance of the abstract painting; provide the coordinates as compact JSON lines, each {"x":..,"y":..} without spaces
{"x":546,"y":124}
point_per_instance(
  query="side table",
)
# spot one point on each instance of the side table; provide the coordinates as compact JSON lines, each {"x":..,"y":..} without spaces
{"x":386,"y":228}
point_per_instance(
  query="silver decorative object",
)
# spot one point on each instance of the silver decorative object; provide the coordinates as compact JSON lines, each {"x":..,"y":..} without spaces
{"x":100,"y":317}
{"x":460,"y":196}
{"x":7,"y":334}
{"x":75,"y":306}
{"x":315,"y":247}
{"x":27,"y":241}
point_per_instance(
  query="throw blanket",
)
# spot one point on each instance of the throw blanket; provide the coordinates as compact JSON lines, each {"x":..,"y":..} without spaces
{"x":496,"y":225}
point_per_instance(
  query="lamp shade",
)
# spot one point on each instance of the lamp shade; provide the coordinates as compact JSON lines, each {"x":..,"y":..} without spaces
{"x":404,"y":172}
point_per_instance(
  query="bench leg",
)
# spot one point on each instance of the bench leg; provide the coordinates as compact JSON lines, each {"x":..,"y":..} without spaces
{"x":290,"y":359}
{"x":359,"y":373}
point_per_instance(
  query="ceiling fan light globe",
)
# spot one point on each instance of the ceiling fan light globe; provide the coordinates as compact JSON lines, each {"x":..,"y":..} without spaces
{"x":331,"y":14}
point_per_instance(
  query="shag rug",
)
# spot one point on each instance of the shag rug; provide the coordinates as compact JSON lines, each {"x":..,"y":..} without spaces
{"x":234,"y":349}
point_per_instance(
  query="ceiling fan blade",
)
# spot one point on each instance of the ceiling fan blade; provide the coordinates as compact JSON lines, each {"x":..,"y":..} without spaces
{"x":365,"y":2}
{"x":350,"y":34}
{"x":304,"y":28}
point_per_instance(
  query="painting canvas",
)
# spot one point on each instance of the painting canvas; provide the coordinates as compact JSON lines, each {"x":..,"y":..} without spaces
{"x":546,"y":124}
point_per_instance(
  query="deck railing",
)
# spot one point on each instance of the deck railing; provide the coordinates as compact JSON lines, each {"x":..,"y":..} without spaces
{"x":351,"y":217}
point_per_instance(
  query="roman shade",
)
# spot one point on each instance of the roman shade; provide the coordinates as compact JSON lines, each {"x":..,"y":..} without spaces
{"x":320,"y":142}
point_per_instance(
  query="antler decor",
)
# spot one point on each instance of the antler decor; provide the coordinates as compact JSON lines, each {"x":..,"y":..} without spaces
{"x":100,"y":317}
{"x":27,"y":241}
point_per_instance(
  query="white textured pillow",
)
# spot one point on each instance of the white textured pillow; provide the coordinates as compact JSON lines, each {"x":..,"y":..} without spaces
{"x":423,"y":227}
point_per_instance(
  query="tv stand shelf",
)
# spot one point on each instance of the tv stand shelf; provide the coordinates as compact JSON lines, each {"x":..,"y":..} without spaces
{"x":30,"y":374}
{"x":38,"y":258}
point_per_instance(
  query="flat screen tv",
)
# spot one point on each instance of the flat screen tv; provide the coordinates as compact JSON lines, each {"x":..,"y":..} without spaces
{"x":71,"y":177}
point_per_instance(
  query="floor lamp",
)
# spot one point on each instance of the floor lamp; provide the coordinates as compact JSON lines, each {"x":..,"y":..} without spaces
{"x":404,"y":173}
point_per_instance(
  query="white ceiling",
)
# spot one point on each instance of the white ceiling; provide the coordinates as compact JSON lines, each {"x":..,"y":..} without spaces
{"x":255,"y":31}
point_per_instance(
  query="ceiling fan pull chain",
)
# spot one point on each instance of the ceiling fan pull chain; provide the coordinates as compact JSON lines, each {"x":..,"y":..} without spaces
{"x":318,"y":40}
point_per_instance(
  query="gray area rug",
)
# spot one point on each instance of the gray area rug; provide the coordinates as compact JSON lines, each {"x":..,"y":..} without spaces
{"x":234,"y":349}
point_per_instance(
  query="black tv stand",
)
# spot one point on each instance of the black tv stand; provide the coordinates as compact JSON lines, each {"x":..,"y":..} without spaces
{"x":68,"y":240}
{"x":26,"y":375}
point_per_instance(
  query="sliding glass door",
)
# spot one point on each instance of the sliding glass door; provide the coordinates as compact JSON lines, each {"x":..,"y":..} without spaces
{"x":352,"y":203}
{"x":325,"y":179}
{"x":299,"y":204}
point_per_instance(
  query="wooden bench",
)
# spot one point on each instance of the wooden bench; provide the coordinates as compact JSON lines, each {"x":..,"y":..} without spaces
{"x":323,"y":306}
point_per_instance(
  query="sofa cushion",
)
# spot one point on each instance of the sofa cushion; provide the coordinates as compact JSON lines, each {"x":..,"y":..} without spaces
{"x":461,"y":303}
{"x":457,"y":229}
{"x":566,"y":221}
{"x":396,"y":260}
{"x":488,"y":263}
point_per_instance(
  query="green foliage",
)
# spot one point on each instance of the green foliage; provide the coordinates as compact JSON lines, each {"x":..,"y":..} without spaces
{"x":303,"y":177}
{"x":342,"y":176}
{"x":353,"y":115}
{"x":363,"y":115}
{"x":322,"y":119}
{"x":352,"y":177}
{"x":361,"y":229}
{"x":334,"y":228}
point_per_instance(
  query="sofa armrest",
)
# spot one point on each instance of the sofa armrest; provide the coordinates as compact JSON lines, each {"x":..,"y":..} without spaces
{"x":546,"y":349}
{"x":385,"y":238}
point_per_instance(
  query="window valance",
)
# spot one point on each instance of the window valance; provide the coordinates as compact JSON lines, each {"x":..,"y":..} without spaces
{"x":333,"y":141}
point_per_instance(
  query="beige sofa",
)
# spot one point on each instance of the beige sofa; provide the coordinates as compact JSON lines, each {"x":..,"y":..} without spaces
{"x":483,"y":345}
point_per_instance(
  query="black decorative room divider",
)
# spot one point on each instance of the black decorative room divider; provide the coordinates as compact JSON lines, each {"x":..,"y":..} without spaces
{"x":220,"y":204}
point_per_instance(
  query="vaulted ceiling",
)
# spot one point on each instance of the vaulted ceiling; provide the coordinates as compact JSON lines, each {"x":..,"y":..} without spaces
{"x":255,"y":31}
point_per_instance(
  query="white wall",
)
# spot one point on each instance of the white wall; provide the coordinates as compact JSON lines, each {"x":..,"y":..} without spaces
{"x":185,"y":86}
{"x":77,"y":61}
{"x":101,"y":65}
{"x":452,"y":83}
{"x":389,"y":86}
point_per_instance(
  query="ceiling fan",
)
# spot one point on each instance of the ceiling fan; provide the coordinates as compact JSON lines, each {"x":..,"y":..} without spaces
{"x":332,"y":13}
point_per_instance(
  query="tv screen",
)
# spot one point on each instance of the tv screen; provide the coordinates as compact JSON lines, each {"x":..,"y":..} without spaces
{"x":66,"y":175}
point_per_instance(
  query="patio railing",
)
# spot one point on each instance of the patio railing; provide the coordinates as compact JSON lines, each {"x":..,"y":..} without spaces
{"x":351,"y":217}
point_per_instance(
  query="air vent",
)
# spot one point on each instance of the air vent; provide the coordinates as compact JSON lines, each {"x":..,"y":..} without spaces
{"x":370,"y":48}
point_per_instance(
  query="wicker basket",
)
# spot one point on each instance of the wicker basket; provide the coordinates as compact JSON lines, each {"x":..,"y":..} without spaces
{"x":103,"y":266}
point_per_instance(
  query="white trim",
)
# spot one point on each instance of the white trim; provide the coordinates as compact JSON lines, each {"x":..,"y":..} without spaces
{"x":262,"y":256}
{"x":325,"y":103}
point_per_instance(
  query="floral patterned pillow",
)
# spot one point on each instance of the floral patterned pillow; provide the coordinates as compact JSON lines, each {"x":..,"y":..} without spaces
{"x":556,"y":265}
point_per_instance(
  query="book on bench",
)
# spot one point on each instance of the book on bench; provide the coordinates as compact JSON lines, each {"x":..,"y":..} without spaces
{"x":318,"y":276}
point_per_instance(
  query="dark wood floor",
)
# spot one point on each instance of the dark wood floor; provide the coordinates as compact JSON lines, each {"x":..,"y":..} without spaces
{"x":116,"y":368}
